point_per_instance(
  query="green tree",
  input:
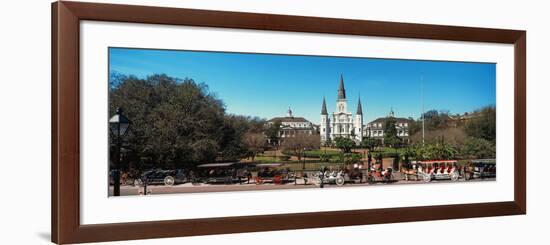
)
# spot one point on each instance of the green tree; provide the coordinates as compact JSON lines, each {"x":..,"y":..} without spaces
{"x":272,"y":132}
{"x":351,"y":158}
{"x":414,"y":126}
{"x":435,"y":151}
{"x":482,"y":124}
{"x":368,"y":142}
{"x":478,"y":148}
{"x":175,"y":122}
{"x":344,"y":144}
{"x":324,"y":157}
{"x":436,"y":119}
{"x":390,"y":132}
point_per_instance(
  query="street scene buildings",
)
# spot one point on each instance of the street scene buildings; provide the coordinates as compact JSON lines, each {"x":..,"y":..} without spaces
{"x":171,"y":132}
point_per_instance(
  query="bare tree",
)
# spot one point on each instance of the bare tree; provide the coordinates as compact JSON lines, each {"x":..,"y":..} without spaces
{"x":300,"y":143}
{"x":453,"y":136}
{"x":255,"y":143}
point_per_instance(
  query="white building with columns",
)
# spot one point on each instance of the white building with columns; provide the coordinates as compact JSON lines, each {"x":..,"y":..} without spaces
{"x":341,"y":123}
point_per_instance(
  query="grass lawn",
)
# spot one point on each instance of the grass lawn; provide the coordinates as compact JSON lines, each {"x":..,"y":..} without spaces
{"x":323,"y":150}
{"x":295,"y":166}
{"x":271,"y":159}
{"x":388,"y":150}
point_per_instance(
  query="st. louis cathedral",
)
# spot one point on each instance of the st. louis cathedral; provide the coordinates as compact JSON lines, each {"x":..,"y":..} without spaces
{"x":341,"y":123}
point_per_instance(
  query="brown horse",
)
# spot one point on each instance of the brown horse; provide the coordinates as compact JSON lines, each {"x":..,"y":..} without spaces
{"x":406,"y":172}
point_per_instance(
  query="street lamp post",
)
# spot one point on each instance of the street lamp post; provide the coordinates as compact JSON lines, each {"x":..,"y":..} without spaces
{"x":304,"y":155}
{"x":118,"y":124}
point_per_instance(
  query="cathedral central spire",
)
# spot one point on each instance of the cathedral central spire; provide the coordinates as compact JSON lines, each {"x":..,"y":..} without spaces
{"x":341,"y":89}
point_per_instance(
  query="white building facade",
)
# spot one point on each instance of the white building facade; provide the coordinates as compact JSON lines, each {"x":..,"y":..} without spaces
{"x":292,"y":126}
{"x":375,"y":129}
{"x":341,"y":123}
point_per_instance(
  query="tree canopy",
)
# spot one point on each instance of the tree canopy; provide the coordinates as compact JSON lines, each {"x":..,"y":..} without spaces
{"x":177,"y":123}
{"x":482,"y":124}
{"x":344,"y":144}
{"x":471,"y":135}
{"x":390,"y":132}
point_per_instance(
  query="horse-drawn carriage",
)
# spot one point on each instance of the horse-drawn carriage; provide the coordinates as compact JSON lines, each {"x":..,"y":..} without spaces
{"x":340,"y":177}
{"x":377,"y":173}
{"x":410,"y":170}
{"x":480,"y":168}
{"x":438,"y":170}
{"x":272,"y":172}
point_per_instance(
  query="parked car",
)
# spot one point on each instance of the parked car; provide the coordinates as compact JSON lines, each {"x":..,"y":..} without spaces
{"x":438,"y":170}
{"x":166,"y":177}
{"x":227,"y":173}
{"x":480,"y":168}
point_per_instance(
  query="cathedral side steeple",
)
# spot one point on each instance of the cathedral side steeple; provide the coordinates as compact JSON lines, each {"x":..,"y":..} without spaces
{"x":324,"y":107}
{"x":325,"y":123}
{"x":359,"y":108}
{"x":358,"y":124}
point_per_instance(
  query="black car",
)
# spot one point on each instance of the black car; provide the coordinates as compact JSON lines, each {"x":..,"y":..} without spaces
{"x":166,"y":177}
{"x":225,"y":173}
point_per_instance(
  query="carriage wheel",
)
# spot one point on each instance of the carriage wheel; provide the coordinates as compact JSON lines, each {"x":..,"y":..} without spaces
{"x":427,"y":178}
{"x":195,"y":181}
{"x":228,"y":180}
{"x":370,"y":179}
{"x":137,"y":182}
{"x":340,"y":181}
{"x":318,"y":180}
{"x":258,"y":181}
{"x":277,"y":180}
{"x":454,"y":176}
{"x":169,"y":181}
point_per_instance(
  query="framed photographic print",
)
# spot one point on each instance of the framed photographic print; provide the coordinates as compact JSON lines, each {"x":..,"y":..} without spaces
{"x":177,"y":122}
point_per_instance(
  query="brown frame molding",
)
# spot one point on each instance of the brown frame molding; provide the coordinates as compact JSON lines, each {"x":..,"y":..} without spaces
{"x":66,"y":227}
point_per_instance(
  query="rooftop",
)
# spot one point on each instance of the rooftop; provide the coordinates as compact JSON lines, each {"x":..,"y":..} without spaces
{"x":288,"y":119}
{"x":397,"y":120}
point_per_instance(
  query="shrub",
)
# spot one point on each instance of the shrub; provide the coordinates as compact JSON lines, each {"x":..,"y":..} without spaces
{"x":351,"y":158}
{"x":284,"y":158}
{"x":324,"y":157}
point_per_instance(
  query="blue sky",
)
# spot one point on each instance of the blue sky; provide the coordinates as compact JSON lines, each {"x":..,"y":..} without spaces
{"x":266,"y":85}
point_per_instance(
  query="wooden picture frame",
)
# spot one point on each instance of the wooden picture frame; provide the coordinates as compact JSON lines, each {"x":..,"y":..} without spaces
{"x":66,"y":226}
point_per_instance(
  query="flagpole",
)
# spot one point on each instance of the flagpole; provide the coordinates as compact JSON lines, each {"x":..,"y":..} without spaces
{"x":422,"y":102}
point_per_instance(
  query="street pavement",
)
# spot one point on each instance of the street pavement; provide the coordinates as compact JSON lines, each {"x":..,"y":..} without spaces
{"x":128,"y":190}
